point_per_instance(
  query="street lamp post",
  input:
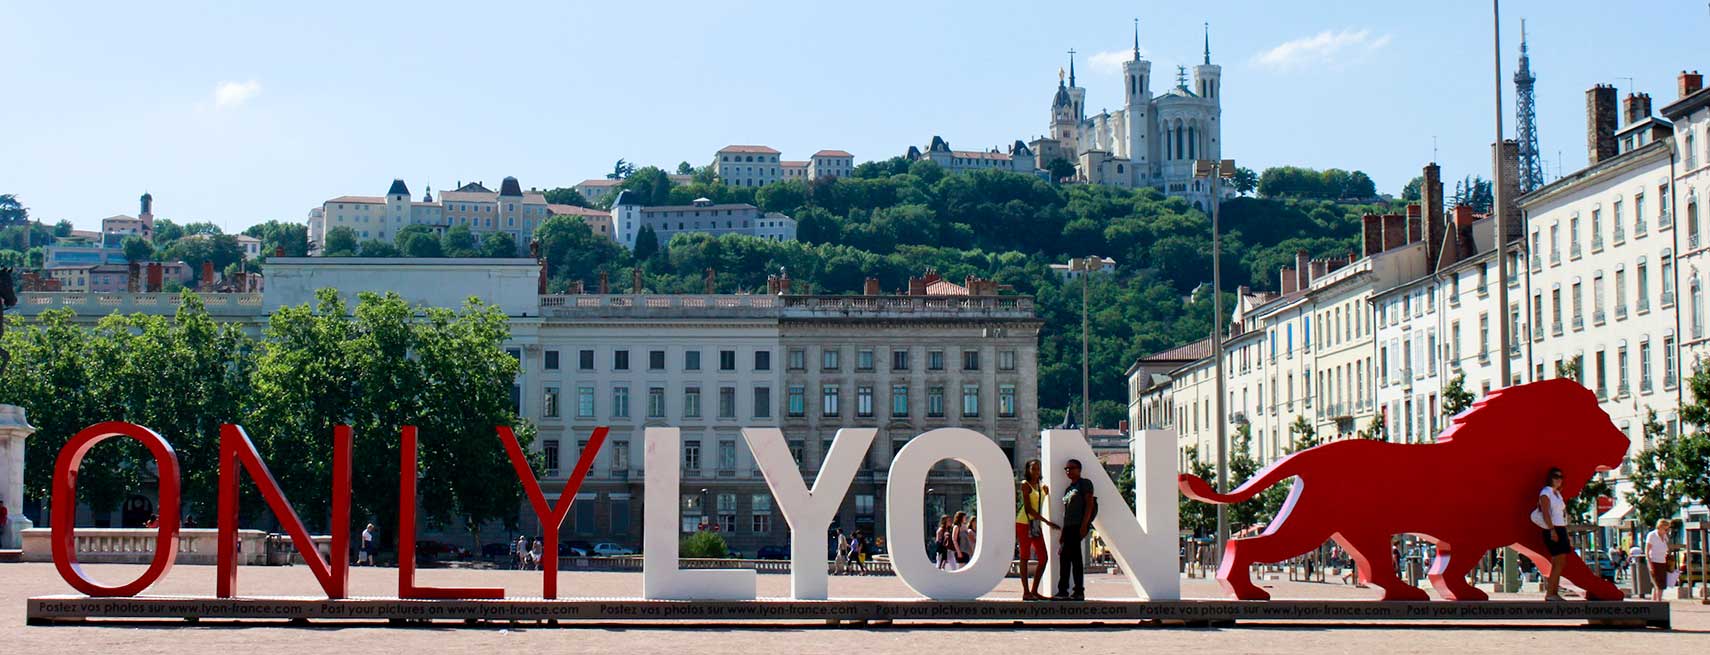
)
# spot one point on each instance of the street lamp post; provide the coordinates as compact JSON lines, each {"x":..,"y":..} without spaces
{"x":1085,"y":266}
{"x":1214,"y":172}
{"x":1510,"y":565}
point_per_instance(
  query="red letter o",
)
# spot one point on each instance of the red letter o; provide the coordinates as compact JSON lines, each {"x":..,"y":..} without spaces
{"x":65,"y":507}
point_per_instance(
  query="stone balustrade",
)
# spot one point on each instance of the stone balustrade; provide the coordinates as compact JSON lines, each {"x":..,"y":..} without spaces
{"x":195,"y":546}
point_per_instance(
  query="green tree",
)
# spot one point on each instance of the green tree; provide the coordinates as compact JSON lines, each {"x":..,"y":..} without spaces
{"x":418,"y":241}
{"x":52,"y":376}
{"x":1689,"y":459}
{"x":566,"y":196}
{"x":1572,"y":368}
{"x":1413,"y":191}
{"x":1061,"y":169}
{"x":1375,"y":430}
{"x":340,"y":242}
{"x":459,"y":242}
{"x":573,"y":252}
{"x":620,"y":170}
{"x":1197,"y":518}
{"x":1475,"y":192}
{"x":1456,"y":398}
{"x":378,"y":248}
{"x":1245,"y":181}
{"x":498,"y":245}
{"x":1656,"y":489}
{"x":12,"y":212}
{"x":684,"y":168}
{"x":293,"y":238}
{"x":1125,"y":484}
{"x":466,"y":390}
{"x":221,"y":249}
{"x":1303,"y":433}
{"x":646,"y":243}
{"x":137,"y":250}
{"x":704,"y":544}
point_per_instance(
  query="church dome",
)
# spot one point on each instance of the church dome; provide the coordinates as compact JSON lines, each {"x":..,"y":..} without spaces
{"x":1062,"y":99}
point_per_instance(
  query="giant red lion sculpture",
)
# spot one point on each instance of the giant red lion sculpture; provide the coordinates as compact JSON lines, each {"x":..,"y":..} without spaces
{"x":1470,"y":492}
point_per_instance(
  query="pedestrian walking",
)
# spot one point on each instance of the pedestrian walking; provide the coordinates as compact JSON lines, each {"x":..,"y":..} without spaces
{"x":535,"y":553}
{"x":519,"y":553}
{"x":1551,"y":518}
{"x":5,"y":518}
{"x":1079,"y":507}
{"x":858,"y":552}
{"x":840,"y":565}
{"x":1656,"y":555}
{"x":941,"y":541}
{"x":961,"y":542}
{"x":1030,"y":529}
{"x":365,"y":555}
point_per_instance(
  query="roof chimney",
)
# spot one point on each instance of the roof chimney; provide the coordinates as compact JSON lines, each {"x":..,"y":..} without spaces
{"x":1431,"y":196}
{"x":1636,"y":107}
{"x":207,"y":274}
{"x":1415,"y":224}
{"x":1600,"y":123}
{"x":1302,"y":269}
{"x":1289,"y":282}
{"x":870,"y":286}
{"x":1690,"y":83}
{"x":1371,"y":232}
{"x":1394,"y":231}
{"x":154,"y":275}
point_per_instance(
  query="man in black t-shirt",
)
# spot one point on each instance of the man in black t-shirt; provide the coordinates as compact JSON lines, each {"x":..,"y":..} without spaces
{"x":1078,"y":503}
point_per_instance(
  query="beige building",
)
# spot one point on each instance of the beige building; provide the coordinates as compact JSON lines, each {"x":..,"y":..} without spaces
{"x":510,"y":211}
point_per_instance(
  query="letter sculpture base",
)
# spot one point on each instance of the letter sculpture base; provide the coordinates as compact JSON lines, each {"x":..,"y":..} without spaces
{"x":50,"y":610}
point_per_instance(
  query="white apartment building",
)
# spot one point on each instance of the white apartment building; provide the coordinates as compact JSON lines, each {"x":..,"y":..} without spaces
{"x":747,"y":166}
{"x":1691,"y":191}
{"x":1601,"y":267}
{"x":830,"y":163}
{"x":702,"y":215}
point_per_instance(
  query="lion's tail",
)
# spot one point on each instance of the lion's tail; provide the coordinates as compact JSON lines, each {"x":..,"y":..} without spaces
{"x":1198,"y":489}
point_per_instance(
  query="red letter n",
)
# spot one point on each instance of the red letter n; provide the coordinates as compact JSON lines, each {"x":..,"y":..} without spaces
{"x":236,"y":447}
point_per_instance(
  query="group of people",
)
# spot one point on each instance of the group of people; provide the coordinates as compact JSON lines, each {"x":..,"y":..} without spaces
{"x":957,"y":537}
{"x":526,"y":553}
{"x":853,"y":552}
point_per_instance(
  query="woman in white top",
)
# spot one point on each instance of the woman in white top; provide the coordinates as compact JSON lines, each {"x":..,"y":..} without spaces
{"x":1552,"y":518}
{"x":1656,"y":555}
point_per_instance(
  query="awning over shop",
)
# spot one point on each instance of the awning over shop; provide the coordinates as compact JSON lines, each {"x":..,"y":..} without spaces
{"x":1621,"y":513}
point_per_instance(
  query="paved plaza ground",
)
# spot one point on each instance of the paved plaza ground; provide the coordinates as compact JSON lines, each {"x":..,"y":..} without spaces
{"x":1691,"y":632}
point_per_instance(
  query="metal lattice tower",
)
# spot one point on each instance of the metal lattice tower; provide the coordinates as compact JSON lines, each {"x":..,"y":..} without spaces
{"x":1526,"y":121}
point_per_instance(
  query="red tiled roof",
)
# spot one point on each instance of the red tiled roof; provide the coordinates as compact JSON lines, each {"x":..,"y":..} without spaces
{"x":1195,"y":351}
{"x":372,"y":200}
{"x":599,"y":182}
{"x":573,"y":210}
{"x":788,"y":163}
{"x":751,"y":150}
{"x":832,"y":153}
{"x":945,"y":288}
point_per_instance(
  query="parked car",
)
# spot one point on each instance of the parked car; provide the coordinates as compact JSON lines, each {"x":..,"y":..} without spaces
{"x":583,"y":548}
{"x":497,"y":552}
{"x":774,"y":552}
{"x":1601,"y":563}
{"x":611,"y":550}
{"x":569,"y":549}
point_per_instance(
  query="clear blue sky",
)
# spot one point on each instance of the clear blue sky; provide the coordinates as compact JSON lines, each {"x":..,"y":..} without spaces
{"x":241,"y":112}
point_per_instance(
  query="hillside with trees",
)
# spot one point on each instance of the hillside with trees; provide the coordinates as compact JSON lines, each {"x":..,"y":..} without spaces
{"x":895,"y":218}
